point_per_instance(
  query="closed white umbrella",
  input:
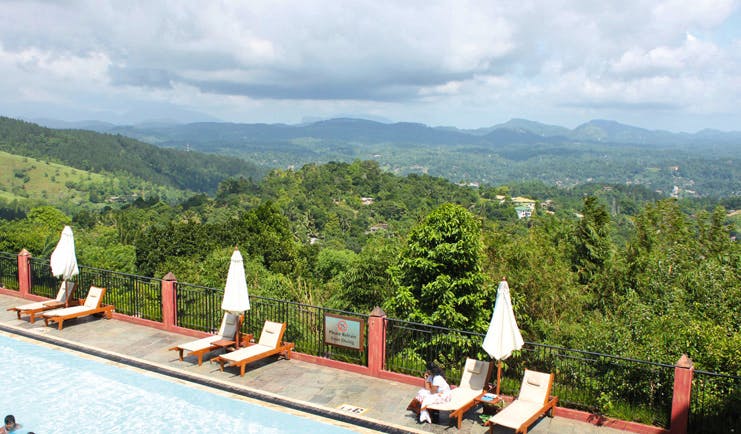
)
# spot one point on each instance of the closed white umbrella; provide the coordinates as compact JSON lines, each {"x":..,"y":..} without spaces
{"x":63,"y":259}
{"x":503,"y":336}
{"x":236,"y":298}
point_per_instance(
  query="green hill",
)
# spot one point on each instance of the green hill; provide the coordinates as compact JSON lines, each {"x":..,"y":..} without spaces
{"x":28,"y":182}
{"x":100,"y":153}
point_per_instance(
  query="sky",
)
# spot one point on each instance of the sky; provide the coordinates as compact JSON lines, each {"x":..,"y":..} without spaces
{"x":661,"y":64}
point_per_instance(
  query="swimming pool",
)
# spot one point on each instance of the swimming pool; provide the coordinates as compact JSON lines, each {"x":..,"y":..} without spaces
{"x":50,"y":390}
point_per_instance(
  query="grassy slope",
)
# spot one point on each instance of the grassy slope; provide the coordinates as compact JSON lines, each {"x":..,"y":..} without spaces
{"x":30,"y":180}
{"x":105,"y":153}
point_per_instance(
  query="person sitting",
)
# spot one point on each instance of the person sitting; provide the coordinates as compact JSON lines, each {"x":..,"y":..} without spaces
{"x":416,"y":403}
{"x":10,"y":425}
{"x":436,"y":391}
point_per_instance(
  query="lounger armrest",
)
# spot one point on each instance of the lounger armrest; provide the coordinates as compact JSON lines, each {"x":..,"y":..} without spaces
{"x":551,"y":404}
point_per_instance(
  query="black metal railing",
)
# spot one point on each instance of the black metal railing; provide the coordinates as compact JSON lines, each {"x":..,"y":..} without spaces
{"x":198,"y":307}
{"x":8,"y":270}
{"x":409,"y":346}
{"x":605,"y":385}
{"x":42,"y":281}
{"x":715,"y":403}
{"x":132,"y":295}
{"x":305,"y":327}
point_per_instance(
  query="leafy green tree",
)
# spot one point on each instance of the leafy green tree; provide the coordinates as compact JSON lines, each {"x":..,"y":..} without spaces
{"x":161,"y":243}
{"x":332,"y":263}
{"x":366,"y":283}
{"x":264,"y":232}
{"x":592,"y":244}
{"x":438,"y":276}
{"x":545,"y":301}
{"x":99,"y":247}
{"x":38,"y":232}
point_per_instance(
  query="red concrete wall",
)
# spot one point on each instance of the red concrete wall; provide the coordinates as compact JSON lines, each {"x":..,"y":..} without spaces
{"x":622,"y":425}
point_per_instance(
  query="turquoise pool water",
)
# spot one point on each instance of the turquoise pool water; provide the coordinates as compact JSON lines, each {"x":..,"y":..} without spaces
{"x":49,"y":390}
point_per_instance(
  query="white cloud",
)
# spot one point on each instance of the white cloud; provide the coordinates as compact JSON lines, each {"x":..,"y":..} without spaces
{"x":693,"y":56}
{"x":679,"y":15}
{"x":38,"y":75}
{"x":468,"y":63}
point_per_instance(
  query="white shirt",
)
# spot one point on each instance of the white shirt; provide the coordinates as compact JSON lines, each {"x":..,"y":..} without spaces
{"x":442,"y":385}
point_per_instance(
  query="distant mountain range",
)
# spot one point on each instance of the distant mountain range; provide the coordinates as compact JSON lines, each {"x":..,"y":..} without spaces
{"x":361,"y":130}
{"x":697,"y":164}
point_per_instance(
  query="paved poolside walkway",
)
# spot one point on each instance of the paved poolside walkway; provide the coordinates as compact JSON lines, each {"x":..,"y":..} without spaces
{"x":286,"y":383}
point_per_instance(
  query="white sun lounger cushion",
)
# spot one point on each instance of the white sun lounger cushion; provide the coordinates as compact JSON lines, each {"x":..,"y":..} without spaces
{"x":61,"y":297}
{"x":458,"y":397}
{"x":474,"y":366}
{"x":228,"y":326}
{"x":472,"y":384}
{"x":270,"y":334}
{"x":534,"y":387}
{"x":62,"y":294}
{"x":474,"y":375}
{"x":517,"y":413}
{"x":31,"y":306}
{"x":93,"y":297}
{"x":200,"y":344}
{"x":247,"y":352}
{"x":67,"y":311}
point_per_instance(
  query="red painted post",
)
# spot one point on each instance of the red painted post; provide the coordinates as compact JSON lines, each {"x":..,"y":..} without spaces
{"x":169,"y":283}
{"x":683,"y":372}
{"x":24,"y":273}
{"x":376,"y":341}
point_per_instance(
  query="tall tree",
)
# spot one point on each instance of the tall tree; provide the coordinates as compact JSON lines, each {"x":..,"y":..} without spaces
{"x":592,"y":244}
{"x":438,"y":276}
{"x":265,"y":232}
{"x":367,"y":283}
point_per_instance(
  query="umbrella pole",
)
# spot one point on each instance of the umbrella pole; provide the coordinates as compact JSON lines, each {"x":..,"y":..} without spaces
{"x":239,"y":331}
{"x":68,"y":296}
{"x":499,"y":374}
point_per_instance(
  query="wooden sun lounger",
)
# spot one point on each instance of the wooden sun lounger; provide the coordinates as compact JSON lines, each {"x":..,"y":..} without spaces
{"x":63,"y":299}
{"x":464,"y":397}
{"x":270,"y":343}
{"x":226,"y":337}
{"x":93,"y":305}
{"x":533,"y":402}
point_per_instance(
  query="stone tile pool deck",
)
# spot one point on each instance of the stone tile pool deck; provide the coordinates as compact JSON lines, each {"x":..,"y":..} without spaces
{"x":291,"y":384}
